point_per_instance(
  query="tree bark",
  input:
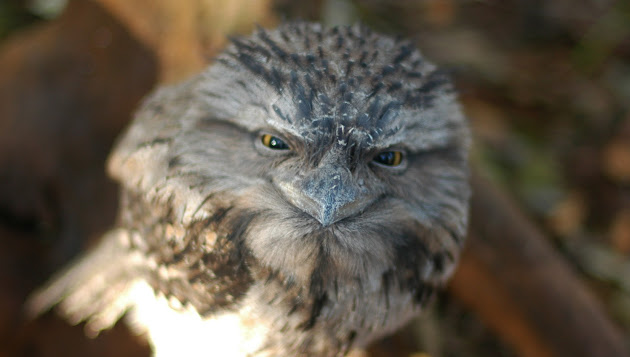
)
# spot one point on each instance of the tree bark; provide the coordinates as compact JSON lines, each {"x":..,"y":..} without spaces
{"x":514,"y":280}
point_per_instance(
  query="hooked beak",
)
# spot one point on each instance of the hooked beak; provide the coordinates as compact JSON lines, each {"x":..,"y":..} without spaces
{"x":329,"y":194}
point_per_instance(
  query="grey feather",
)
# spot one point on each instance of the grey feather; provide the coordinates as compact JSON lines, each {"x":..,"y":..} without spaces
{"x":325,"y":245}
{"x":88,"y":290}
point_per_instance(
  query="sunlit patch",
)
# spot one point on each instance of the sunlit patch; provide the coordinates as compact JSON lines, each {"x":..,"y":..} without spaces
{"x":174,"y":329}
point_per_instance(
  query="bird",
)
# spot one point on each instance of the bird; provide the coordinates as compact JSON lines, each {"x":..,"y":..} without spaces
{"x":304,"y":195}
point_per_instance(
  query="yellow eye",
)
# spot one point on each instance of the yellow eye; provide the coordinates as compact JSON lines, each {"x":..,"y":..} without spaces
{"x":273,"y":142}
{"x":389,"y":158}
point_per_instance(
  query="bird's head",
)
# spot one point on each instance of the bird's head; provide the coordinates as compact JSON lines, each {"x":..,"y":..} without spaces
{"x":342,"y":147}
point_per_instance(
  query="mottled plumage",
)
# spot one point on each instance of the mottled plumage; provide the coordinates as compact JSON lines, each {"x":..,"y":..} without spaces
{"x":226,"y":245}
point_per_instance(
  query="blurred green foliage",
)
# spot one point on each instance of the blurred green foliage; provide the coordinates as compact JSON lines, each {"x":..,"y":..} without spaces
{"x":14,"y":15}
{"x":605,"y":35}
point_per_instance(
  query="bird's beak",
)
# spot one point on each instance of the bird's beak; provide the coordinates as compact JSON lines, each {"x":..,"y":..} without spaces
{"x":329,"y":193}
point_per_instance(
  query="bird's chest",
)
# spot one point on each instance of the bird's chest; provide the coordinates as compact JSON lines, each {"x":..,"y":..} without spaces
{"x":176,"y":330}
{"x":266,"y":322}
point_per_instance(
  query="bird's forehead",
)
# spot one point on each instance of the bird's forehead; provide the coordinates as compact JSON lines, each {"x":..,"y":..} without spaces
{"x":312,"y":81}
{"x":329,"y":112}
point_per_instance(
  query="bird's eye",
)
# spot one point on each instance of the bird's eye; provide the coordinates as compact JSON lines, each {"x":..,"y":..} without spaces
{"x":273,"y":142}
{"x":389,"y":158}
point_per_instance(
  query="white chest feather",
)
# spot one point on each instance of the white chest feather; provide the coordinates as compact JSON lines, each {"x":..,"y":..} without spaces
{"x":176,"y":330}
